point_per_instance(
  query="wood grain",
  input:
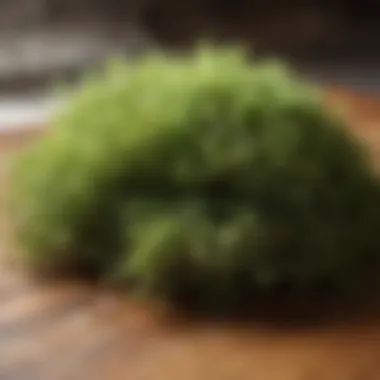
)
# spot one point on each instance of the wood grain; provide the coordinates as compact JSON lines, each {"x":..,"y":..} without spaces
{"x":73,"y":331}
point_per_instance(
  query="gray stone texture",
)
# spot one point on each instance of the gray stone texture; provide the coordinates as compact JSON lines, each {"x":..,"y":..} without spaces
{"x":45,"y":40}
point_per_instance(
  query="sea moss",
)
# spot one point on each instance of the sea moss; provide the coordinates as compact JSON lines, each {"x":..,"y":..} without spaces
{"x":205,"y":177}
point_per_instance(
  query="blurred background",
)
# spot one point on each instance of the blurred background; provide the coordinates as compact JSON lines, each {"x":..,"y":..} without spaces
{"x":45,"y":41}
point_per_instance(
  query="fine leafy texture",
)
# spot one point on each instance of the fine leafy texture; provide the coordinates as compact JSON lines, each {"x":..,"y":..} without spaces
{"x":203,"y":178}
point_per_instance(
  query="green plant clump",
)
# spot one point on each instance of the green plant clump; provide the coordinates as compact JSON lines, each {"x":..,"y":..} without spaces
{"x":204,"y":178}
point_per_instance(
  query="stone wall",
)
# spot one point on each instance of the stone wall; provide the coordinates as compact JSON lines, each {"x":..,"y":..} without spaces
{"x":44,"y":38}
{"x":270,"y":22}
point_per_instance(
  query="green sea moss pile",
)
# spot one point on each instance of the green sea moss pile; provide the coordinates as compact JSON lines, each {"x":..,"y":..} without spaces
{"x":202,"y":178}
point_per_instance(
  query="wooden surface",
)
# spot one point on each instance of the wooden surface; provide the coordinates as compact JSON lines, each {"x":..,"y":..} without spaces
{"x":75,"y":332}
